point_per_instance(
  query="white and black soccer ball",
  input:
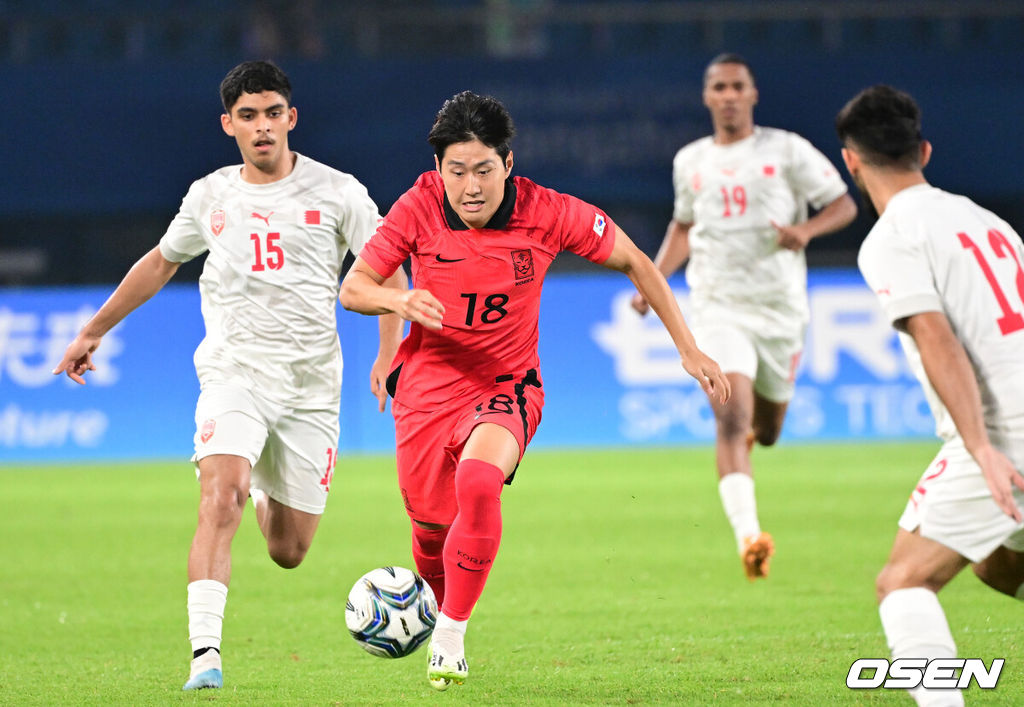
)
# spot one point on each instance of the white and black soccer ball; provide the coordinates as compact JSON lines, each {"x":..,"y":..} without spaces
{"x":391,"y":612}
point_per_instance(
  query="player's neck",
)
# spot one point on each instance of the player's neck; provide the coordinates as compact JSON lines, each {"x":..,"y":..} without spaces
{"x":732,"y":134}
{"x":255,"y":175}
{"x":884,"y":185}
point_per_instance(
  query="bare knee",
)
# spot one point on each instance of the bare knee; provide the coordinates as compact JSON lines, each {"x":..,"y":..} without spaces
{"x":287,"y":552}
{"x":1003,"y":571}
{"x":222,"y":505}
{"x":766,"y":436}
{"x":733,"y":426}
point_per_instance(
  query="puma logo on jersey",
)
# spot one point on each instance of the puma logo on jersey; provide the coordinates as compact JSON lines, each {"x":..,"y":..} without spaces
{"x":264,"y":219}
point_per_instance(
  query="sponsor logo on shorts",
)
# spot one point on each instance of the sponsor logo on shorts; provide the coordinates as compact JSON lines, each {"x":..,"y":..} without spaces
{"x":935,"y":674}
{"x":207,"y":431}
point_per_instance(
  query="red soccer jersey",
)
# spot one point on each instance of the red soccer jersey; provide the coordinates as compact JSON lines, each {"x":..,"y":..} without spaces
{"x":489,"y":281}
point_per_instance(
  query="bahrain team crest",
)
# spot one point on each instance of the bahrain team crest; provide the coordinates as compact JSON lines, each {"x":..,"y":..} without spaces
{"x":207,"y":432}
{"x":217,"y":221}
{"x":522,"y":262}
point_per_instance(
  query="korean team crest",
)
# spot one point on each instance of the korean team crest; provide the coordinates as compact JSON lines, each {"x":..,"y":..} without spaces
{"x":207,"y":432}
{"x":522,"y":262}
{"x":217,"y":221}
{"x":599,"y":224}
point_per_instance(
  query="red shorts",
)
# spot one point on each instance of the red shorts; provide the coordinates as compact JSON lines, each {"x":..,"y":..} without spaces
{"x":428,"y":444}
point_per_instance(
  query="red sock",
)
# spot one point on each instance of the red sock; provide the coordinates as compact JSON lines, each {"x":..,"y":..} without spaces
{"x":427,"y":546}
{"x":474,"y":536}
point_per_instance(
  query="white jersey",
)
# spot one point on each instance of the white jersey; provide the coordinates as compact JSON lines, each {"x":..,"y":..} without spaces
{"x":732,"y":194}
{"x":270,"y":282}
{"x":932,"y":251}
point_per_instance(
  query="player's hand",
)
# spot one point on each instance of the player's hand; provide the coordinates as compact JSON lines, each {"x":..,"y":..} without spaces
{"x":795,"y":237}
{"x":421,"y":307}
{"x":1001,"y":477}
{"x":709,"y":375}
{"x":78,"y":358}
{"x":378,"y":381}
{"x":640,"y":304}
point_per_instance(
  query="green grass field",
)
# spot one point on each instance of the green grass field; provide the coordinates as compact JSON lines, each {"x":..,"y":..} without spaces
{"x":617,"y":582}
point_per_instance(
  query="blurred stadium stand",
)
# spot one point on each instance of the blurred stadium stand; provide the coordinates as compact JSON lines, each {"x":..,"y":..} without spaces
{"x":117,"y":108}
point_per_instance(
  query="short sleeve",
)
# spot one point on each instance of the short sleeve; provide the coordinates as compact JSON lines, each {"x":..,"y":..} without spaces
{"x":393,"y":240}
{"x":585,"y":230}
{"x":812,"y":175}
{"x":897,"y":269}
{"x":682,"y":207}
{"x":359,"y":217}
{"x":183,"y":239}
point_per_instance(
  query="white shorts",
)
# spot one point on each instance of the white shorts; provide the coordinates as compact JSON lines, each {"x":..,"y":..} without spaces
{"x":292,"y":451}
{"x":952,"y":505}
{"x":735,"y":341}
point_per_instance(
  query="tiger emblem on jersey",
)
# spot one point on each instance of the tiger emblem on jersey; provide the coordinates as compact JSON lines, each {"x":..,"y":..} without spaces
{"x":522,"y":262}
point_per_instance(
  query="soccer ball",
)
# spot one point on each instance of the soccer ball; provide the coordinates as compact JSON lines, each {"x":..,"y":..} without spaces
{"x":390,"y":612}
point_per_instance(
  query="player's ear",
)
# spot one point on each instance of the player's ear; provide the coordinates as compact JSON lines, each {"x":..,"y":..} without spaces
{"x":926,"y":152}
{"x":851,"y":159}
{"x":437,"y":164}
{"x":225,"y":123}
{"x":508,"y":164}
{"x":293,"y":118}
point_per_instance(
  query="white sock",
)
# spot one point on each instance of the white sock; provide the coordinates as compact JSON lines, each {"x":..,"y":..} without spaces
{"x":915,"y":627}
{"x":737,"y":492}
{"x":206,"y":600}
{"x":449,"y":633}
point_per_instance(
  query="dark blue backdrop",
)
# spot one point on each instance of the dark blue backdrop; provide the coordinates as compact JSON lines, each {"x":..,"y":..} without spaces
{"x":132,"y":137}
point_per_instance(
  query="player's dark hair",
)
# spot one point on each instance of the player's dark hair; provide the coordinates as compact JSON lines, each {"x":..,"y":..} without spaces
{"x":254,"y":77}
{"x":883,"y":125}
{"x":467,"y":116}
{"x":730,"y":58}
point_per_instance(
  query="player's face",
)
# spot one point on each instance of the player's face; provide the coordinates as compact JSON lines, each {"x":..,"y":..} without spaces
{"x":260,"y":123}
{"x":474,"y":180}
{"x":730,"y":95}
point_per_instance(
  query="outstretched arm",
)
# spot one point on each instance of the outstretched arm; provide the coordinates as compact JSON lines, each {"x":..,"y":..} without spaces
{"x":950,"y":373}
{"x":146,"y":277}
{"x":391,"y":326}
{"x":629,"y":259}
{"x":831,"y":218}
{"x":674,"y":251}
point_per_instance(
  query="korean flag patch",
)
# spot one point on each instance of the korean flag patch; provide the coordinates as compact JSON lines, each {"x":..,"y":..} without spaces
{"x":599,"y":224}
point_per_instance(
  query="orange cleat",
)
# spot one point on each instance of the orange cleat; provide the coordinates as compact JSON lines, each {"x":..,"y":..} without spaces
{"x":757,"y":551}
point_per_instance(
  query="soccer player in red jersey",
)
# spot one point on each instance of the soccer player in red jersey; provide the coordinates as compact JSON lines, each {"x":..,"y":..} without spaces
{"x":466,"y":385}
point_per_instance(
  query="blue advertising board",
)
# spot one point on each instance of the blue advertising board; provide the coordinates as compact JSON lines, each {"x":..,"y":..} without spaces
{"x":611,"y":377}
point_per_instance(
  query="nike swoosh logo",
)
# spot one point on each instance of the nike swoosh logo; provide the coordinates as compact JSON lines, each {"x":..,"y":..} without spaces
{"x":468,"y":569}
{"x":492,"y":412}
{"x":447,"y":260}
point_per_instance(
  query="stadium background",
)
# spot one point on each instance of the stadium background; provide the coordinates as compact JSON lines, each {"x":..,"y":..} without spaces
{"x":115,"y":112}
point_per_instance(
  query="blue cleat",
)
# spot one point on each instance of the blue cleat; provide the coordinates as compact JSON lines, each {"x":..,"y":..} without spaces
{"x":206,"y":672}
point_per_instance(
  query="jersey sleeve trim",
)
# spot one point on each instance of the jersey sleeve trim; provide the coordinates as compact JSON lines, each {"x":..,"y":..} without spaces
{"x":371,"y":259}
{"x":897,"y":309}
{"x":172,"y":255}
{"x":607,"y":244}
